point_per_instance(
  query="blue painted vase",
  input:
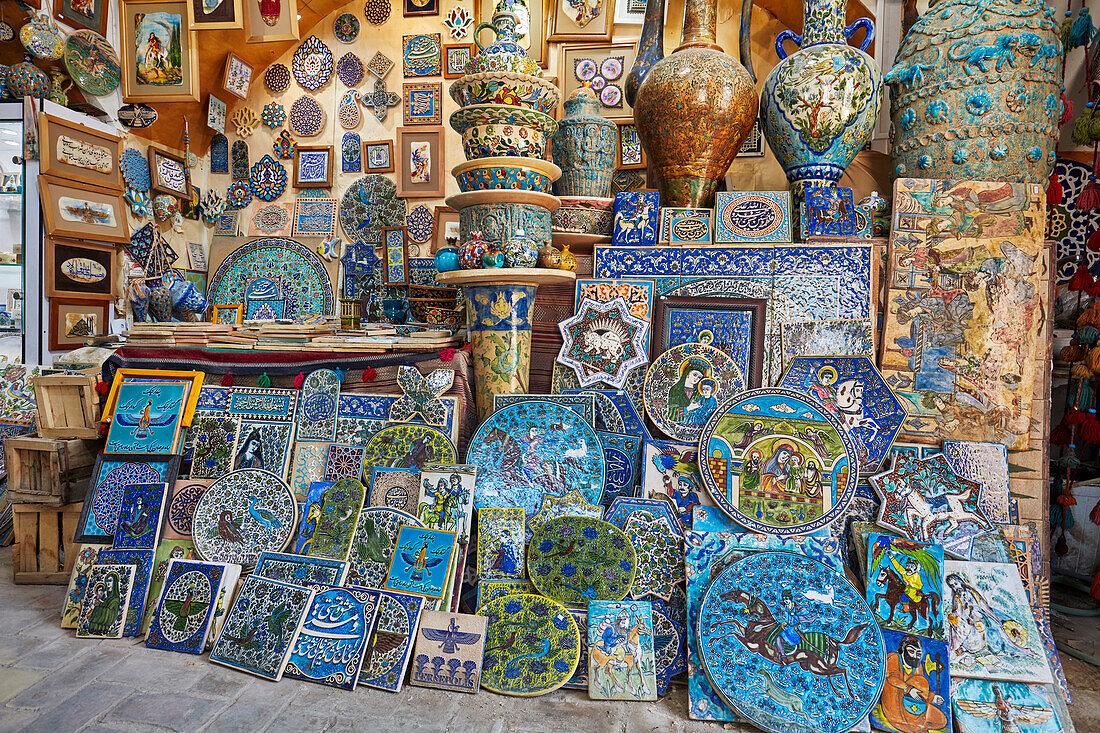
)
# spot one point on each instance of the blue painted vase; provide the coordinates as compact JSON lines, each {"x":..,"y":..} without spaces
{"x":27,"y":80}
{"x":977,"y":93}
{"x":820,"y":104}
{"x":446,"y":259}
{"x":139,"y":300}
{"x":584,"y":147}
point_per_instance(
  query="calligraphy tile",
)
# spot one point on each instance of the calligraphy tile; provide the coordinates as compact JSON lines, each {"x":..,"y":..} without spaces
{"x":333,"y":636}
{"x":622,"y":454}
{"x":449,"y":649}
{"x":752,"y":216}
{"x":317,"y":411}
{"x":148,"y":418}
{"x":396,"y":488}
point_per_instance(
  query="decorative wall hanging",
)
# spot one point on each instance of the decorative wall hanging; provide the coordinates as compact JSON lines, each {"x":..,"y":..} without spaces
{"x":420,"y":153}
{"x":140,"y":517}
{"x":242,"y":514}
{"x":752,"y":216}
{"x":80,"y":269}
{"x":82,"y":211}
{"x":420,"y":7}
{"x":244,"y":121}
{"x":573,"y":21}
{"x":313,"y":166}
{"x":314,"y":217}
{"x":219,"y":154}
{"x":136,"y":116}
{"x":273,"y":115}
{"x":685,"y":385}
{"x":603,"y":342}
{"x":277,"y":78}
{"x":422,"y":55}
{"x":378,"y":156}
{"x":544,"y":656}
{"x":300,"y":273}
{"x":896,"y":566}
{"x":92,"y":62}
{"x":216,"y":112}
{"x":161,"y":411}
{"x":238,"y":76}
{"x":377,"y":12}
{"x":458,"y":22}
{"x":268,"y":179}
{"x":500,"y":543}
{"x":271,"y":611}
{"x":423,"y":104}
{"x":41,"y":37}
{"x":312,"y":64}
{"x":150,"y":71}
{"x":349,"y":70}
{"x":135,"y":169}
{"x":284,"y":146}
{"x":395,"y":257}
{"x":239,"y":155}
{"x":348,"y":110}
{"x":419,"y":223}
{"x":345,"y":27}
{"x":686,"y":227}
{"x":369,"y":204}
{"x":351,"y":153}
{"x":92,"y":16}
{"x":455,"y":58}
{"x":380,"y":65}
{"x":306,"y":117}
{"x":380,"y":100}
{"x":168,"y":173}
{"x":446,"y":499}
{"x":204,"y":15}
{"x":238,"y":195}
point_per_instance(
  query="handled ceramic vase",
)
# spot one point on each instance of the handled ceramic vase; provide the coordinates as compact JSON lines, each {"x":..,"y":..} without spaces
{"x":650,"y":48}
{"x":820,"y":104}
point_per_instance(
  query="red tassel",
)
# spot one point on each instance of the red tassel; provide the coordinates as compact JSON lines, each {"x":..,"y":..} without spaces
{"x":369,"y":374}
{"x":1061,"y":546}
{"x":1067,"y":110}
{"x":447,"y":355}
{"x":1054,"y":190}
{"x":1060,"y":435}
{"x":1075,"y":416}
{"x":1094,"y":515}
{"x":1095,"y":591}
{"x":227,"y":380}
{"x":104,"y":427}
{"x":467,"y":346}
{"x":299,"y":380}
{"x":1094,"y":290}
{"x":1090,"y":429}
{"x":1093,"y":242}
{"x":102,"y":388}
{"x":1082,"y":279}
{"x":1066,"y":498}
{"x":1089,"y":198}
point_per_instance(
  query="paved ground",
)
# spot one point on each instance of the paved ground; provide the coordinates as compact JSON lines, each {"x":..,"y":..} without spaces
{"x":52,"y":682}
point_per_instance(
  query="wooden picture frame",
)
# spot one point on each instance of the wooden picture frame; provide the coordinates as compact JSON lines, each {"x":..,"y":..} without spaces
{"x":659,"y":341}
{"x":133,"y":44}
{"x":228,"y":15}
{"x":94,"y":213}
{"x":64,"y":11}
{"x":284,"y":29}
{"x":563,"y":27}
{"x":169,"y":464}
{"x":77,"y":153}
{"x":71,"y":268}
{"x":410,"y":8}
{"x":155,"y":375}
{"x":379,"y":168}
{"x":442,"y":218}
{"x":571,"y":55}
{"x":635,"y":161}
{"x":456,"y":67}
{"x":238,"y":75}
{"x":537,"y":16}
{"x":408,"y":185}
{"x":312,"y":180}
{"x":395,"y":256}
{"x":73,"y":320}
{"x":165,"y":170}
{"x":235,"y":310}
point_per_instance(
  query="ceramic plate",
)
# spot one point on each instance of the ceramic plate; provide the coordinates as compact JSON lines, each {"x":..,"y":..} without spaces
{"x":574,"y":560}
{"x":532,"y":645}
{"x":312,"y":64}
{"x":369,"y":204}
{"x":92,"y":63}
{"x":408,"y":446}
{"x":243,"y":514}
{"x":684,"y":387}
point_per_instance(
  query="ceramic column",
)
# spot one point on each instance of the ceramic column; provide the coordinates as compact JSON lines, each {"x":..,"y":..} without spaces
{"x":500,"y":331}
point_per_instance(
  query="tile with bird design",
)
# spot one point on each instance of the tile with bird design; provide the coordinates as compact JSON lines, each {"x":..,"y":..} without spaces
{"x":327,"y":529}
{"x":574,"y":560}
{"x":309,"y":572}
{"x":532,"y":645}
{"x":184,"y":610}
{"x":421,"y":561}
{"x":243,"y":514}
{"x":372,"y":544}
{"x":390,"y":645}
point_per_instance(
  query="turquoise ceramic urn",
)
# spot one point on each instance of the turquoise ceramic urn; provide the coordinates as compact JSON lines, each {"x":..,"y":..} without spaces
{"x":584,"y":147}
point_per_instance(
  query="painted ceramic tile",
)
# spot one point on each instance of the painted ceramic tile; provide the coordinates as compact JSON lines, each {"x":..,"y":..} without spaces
{"x":395,"y":488}
{"x":409,"y":446}
{"x":184,"y":611}
{"x":390,"y":645}
{"x":660,"y":551}
{"x":490,"y":590}
{"x":533,"y":449}
{"x":778,"y":462}
{"x":672,"y":469}
{"x":308,"y":466}
{"x":446,"y":498}
{"x":422,"y":396}
{"x":752,"y":216}
{"x":685,"y":385}
{"x":965,"y":286}
{"x":1025,"y":552}
{"x":851,"y":388}
{"x":360,"y":416}
{"x":905,"y":585}
{"x":926,"y":501}
{"x":837,"y":337}
{"x":317,"y":411}
{"x":148,"y":418}
{"x":669,"y":639}
{"x":500,"y":542}
{"x":181,"y":508}
{"x":637,"y":293}
{"x":421,"y":561}
{"x":916,"y":692}
{"x":735,"y":326}
{"x":603,"y":342}
{"x":986,"y":463}
{"x":982,"y":706}
{"x":623,"y":508}
{"x":78,"y":584}
{"x":790,"y":601}
{"x":167,"y":551}
{"x":615,"y":411}
{"x":829,"y":211}
{"x":265,"y":404}
{"x":621,"y":455}
{"x":572,"y":504}
{"x":620,"y":651}
{"x":574,"y":560}
{"x":325,"y":530}
{"x":991,"y":629}
{"x":535,"y":662}
{"x":1042,"y":621}
{"x":449,"y":649}
{"x":104,"y":609}
{"x":315,"y":217}
{"x":142,"y":560}
{"x":344,"y":461}
{"x":635,"y":218}
{"x":308,"y":572}
{"x":564,"y":381}
{"x":372,"y":545}
{"x":582,"y":404}
{"x":332,"y":637}
{"x":139,"y":517}
{"x":264,"y":445}
{"x":17,"y":403}
{"x":579,"y":680}
{"x":261,"y":627}
{"x":243,"y":514}
{"x":685,"y":226}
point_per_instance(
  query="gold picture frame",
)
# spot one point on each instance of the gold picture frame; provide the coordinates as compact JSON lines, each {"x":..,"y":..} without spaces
{"x":193,"y":379}
{"x":146,"y":76}
{"x":83,"y":212}
{"x":563,"y":27}
{"x":285,"y":28}
{"x":78,"y":153}
{"x":228,"y":15}
{"x":217,"y":311}
{"x":624,"y":134}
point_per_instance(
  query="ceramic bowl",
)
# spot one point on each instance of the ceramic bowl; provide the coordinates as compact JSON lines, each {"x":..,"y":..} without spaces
{"x":432,"y":291}
{"x":498,"y":214}
{"x":585,"y":215}
{"x":516,"y":174}
{"x":504,"y":87}
{"x":441,"y":317}
{"x":496,"y":114}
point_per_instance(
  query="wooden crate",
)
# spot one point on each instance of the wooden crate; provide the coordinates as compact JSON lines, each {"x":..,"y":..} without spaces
{"x":68,"y":406}
{"x":48,"y":471}
{"x":44,"y":551}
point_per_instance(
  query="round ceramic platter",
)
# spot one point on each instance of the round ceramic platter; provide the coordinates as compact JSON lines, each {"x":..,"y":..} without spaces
{"x":498,"y":114}
{"x":306,"y":117}
{"x":531,"y":450}
{"x":532,"y":645}
{"x":777,"y":462}
{"x":574,"y":560}
{"x":685,"y":385}
{"x":758,"y":602}
{"x":345,"y":27}
{"x":243,"y":514}
{"x":277,"y":78}
{"x":92,"y":63}
{"x":372,"y":545}
{"x":369,"y":204}
{"x":408,"y":446}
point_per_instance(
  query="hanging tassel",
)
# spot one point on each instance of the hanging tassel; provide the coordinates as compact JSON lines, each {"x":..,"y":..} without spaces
{"x":369,"y":374}
{"x":102,"y":389}
{"x":1089,"y":198}
{"x":1075,"y":416}
{"x":263,"y":380}
{"x":227,"y":380}
{"x":301,"y":379}
{"x":447,"y":355}
{"x":1082,"y":30}
{"x":1061,"y":547}
{"x":1090,"y":429}
{"x":1060,"y":435}
{"x":1066,"y":498}
{"x":1071,"y":354}
{"x":1081,"y":280}
{"x":1087,"y":334}
{"x":1054,"y":190}
{"x":1067,"y":110}
{"x":1080,"y":133}
{"x":1067,"y":26}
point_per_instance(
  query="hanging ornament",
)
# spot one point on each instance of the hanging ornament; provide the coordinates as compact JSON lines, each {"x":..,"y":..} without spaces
{"x":270,"y":10}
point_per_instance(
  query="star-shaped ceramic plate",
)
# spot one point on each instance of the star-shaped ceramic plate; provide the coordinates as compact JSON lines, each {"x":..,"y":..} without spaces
{"x":603,"y":342}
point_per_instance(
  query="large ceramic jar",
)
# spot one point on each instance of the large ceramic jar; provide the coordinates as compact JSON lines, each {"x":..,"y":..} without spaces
{"x":584,"y":147}
{"x":42,"y":38}
{"x":505,"y":53}
{"x":977,"y":92}
{"x":27,"y":80}
{"x":820,"y":104}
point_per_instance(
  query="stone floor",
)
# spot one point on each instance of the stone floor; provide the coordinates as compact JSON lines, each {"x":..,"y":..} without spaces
{"x":51,"y":681}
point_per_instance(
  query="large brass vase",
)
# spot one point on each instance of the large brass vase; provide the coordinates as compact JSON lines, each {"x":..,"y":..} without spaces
{"x":693,"y":111}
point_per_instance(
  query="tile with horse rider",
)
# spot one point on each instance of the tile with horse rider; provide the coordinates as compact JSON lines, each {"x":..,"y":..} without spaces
{"x":636,"y":218}
{"x":905,"y":585}
{"x":620,"y":651}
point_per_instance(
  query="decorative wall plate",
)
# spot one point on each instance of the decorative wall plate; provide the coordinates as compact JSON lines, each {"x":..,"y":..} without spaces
{"x":408,"y":446}
{"x":284,"y":146}
{"x":273,"y":115}
{"x":458,"y":22}
{"x":307,"y":118}
{"x":349,"y":70}
{"x":368,"y":205}
{"x":277,"y":78}
{"x":379,"y":65}
{"x":534,"y":449}
{"x":299,"y":272}
{"x":800,"y":631}
{"x":92,"y":63}
{"x":351,"y":153}
{"x":777,"y":462}
{"x":312,"y":64}
{"x":42,"y":38}
{"x":603,"y":342}
{"x":574,"y":560}
{"x":348,"y":110}
{"x":345,"y":27}
{"x":268,"y":179}
{"x":685,"y":385}
{"x":532,"y":645}
{"x":419,"y":223}
{"x":238,"y":195}
{"x":243,"y":514}
{"x":135,"y":169}
{"x":372,"y":545}
{"x":377,"y":12}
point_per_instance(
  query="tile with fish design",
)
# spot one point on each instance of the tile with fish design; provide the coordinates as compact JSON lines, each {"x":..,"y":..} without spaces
{"x":905,"y":585}
{"x":421,"y":561}
{"x":986,"y":463}
{"x":532,"y":645}
{"x":621,"y":453}
{"x":396,"y":488}
{"x":139,"y":517}
{"x":309,"y":572}
{"x":500,"y":542}
{"x":390,"y":645}
{"x":373,"y":543}
{"x":574,"y":560}
{"x":261,"y":627}
{"x":582,"y":404}
{"x":104,"y":609}
{"x":332,"y":637}
{"x":317,"y":409}
{"x":78,"y":584}
{"x":409,"y":446}
{"x":446,"y":498}
{"x":490,"y":590}
{"x":326,"y":529}
{"x":183,"y":614}
{"x":449,"y":650}
{"x":243,"y":514}
{"x":660,"y":551}
{"x":142,"y":560}
{"x":620,"y":651}
{"x":344,"y":461}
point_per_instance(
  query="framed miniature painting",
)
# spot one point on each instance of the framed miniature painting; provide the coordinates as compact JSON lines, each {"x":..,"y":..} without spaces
{"x":445,"y":232}
{"x":204,"y":15}
{"x":90,"y":14}
{"x":420,"y":7}
{"x":232,"y":313}
{"x":395,"y":256}
{"x":158,"y":53}
{"x":455,"y":58}
{"x":378,"y":156}
{"x":423,"y":104}
{"x":168,"y":173}
{"x":529,"y":14}
{"x":313,"y":166}
{"x":629,"y":155}
{"x":604,"y":67}
{"x":267,"y":22}
{"x":735,"y":326}
{"x":587,"y":21}
{"x":238,"y":75}
{"x":73,"y":321}
{"x":79,"y":153}
{"x":82,"y":212}
{"x":80,"y":269}
{"x":420,"y":152}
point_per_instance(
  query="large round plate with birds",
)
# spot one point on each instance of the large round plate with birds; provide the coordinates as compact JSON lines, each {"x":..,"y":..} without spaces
{"x":532,"y":645}
{"x":243,"y":514}
{"x":368,"y":205}
{"x":531,"y":450}
{"x":790,"y":645}
{"x":574,"y":560}
{"x":778,"y":462}
{"x":372,"y":544}
{"x":685,"y":385}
